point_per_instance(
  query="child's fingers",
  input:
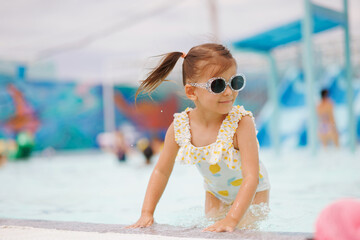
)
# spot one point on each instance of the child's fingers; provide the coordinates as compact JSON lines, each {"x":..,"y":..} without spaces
{"x":140,"y":225}
{"x":209,"y":229}
{"x":132,"y":226}
{"x":218,"y":229}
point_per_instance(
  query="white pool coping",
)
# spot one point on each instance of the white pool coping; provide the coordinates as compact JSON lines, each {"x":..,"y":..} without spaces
{"x":11,"y":229}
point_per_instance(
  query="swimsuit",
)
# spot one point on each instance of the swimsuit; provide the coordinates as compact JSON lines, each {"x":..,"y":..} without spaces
{"x":219,"y":163}
{"x":325,"y":125}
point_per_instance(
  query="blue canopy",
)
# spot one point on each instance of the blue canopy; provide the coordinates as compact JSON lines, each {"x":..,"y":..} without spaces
{"x":323,"y":19}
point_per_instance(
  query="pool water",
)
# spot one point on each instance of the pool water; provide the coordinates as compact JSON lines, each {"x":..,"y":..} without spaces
{"x":95,"y":187}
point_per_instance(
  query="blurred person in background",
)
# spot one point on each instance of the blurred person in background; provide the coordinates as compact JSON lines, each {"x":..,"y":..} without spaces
{"x":120,"y":146}
{"x":145,"y":147}
{"x":150,"y":148}
{"x":3,"y":155}
{"x":114,"y":142}
{"x":105,"y":141}
{"x":327,"y":131}
{"x":22,"y":147}
{"x":25,"y":145}
{"x":156,"y":144}
{"x":19,"y":149}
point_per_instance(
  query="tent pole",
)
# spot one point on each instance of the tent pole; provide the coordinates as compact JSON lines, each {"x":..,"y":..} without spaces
{"x":307,"y":30}
{"x":108,"y":106}
{"x":214,"y":19}
{"x":108,"y":101}
{"x":349,"y":85}
{"x":273,"y":93}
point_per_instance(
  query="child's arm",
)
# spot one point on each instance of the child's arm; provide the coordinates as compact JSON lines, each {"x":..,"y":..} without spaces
{"x":158,"y":180}
{"x":247,"y":143}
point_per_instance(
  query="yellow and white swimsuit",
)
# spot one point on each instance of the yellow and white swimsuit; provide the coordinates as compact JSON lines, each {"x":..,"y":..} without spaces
{"x":219,"y":163}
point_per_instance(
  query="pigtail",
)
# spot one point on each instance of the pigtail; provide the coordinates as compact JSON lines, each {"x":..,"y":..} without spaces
{"x":159,"y":74}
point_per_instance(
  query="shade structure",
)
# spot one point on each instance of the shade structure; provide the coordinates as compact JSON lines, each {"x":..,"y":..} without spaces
{"x":323,"y":19}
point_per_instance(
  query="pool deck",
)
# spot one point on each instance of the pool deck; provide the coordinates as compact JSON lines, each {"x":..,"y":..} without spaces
{"x":41,"y":229}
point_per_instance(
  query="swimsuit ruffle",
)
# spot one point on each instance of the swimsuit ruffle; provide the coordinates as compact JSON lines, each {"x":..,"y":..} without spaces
{"x":223,"y":148}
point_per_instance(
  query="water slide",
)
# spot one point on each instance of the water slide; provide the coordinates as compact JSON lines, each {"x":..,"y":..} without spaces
{"x":293,"y":113}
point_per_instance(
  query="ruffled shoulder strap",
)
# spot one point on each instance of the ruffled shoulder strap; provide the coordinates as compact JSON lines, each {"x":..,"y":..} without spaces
{"x":182,"y":127}
{"x":231,"y":122}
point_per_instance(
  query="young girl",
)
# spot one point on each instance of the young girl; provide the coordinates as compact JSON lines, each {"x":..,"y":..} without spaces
{"x":217,"y":137}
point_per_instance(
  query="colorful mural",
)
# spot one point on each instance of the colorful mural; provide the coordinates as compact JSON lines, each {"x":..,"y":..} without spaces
{"x":148,"y":115}
{"x":70,"y":116}
{"x":151,"y":116}
{"x":24,"y":117}
{"x":60,"y":115}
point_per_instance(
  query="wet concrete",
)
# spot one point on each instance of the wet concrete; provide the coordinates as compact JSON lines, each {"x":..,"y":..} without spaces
{"x":156,"y":229}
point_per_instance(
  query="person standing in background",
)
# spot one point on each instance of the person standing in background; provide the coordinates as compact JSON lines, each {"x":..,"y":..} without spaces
{"x":114,"y":142}
{"x":327,"y":131}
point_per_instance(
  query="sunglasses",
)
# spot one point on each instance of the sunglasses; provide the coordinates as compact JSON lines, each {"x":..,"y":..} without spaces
{"x":218,"y":85}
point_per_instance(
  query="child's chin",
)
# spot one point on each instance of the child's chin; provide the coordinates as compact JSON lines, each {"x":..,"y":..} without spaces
{"x":226,"y":109}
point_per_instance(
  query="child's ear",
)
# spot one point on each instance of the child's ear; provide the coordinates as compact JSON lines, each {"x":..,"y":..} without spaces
{"x":190,"y":92}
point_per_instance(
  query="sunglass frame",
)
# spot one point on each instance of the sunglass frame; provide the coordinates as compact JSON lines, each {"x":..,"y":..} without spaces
{"x":207,"y":85}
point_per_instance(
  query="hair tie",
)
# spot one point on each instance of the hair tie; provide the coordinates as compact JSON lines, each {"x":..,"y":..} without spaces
{"x":183,"y":55}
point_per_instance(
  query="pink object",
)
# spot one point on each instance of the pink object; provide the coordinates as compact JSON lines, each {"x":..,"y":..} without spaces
{"x":340,"y":220}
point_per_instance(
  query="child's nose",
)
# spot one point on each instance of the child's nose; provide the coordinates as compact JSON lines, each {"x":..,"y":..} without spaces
{"x":228,"y":90}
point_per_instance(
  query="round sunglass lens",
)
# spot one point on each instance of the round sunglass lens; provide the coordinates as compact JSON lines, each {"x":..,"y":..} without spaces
{"x":237,"y":82}
{"x":218,"y":85}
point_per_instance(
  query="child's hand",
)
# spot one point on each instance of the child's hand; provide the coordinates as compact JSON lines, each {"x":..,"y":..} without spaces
{"x":144,"y":221}
{"x":224,"y":225}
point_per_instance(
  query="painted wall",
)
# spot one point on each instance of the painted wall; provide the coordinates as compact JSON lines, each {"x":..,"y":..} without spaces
{"x":66,"y":116}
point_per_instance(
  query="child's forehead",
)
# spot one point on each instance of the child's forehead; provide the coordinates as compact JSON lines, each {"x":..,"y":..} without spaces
{"x":217,"y":70}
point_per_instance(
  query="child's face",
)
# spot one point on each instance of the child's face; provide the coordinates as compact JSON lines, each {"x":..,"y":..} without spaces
{"x":220,"y":103}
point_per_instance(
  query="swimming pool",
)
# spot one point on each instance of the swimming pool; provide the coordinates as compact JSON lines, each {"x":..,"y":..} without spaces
{"x":94,"y":187}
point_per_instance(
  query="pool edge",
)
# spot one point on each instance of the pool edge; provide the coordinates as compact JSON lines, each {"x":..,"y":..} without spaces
{"x":156,"y":229}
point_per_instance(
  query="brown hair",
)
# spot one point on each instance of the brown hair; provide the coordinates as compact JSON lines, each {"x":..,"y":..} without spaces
{"x":324,"y":93}
{"x":198,"y":59}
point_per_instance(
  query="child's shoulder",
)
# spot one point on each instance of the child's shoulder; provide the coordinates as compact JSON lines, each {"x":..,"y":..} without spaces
{"x":246,"y":117}
{"x":240,"y":111}
{"x":182,"y":116}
